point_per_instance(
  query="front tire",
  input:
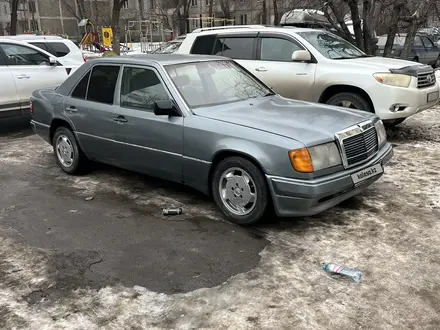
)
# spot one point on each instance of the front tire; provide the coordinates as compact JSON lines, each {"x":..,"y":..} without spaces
{"x":67,"y":152}
{"x":351,"y":101}
{"x":390,"y":123}
{"x":240,"y":190}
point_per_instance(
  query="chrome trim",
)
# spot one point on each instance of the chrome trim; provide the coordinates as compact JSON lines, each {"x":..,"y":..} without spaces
{"x":197,"y":160}
{"x":350,"y":132}
{"x":38,"y":123}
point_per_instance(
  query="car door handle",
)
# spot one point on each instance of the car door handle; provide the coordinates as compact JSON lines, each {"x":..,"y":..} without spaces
{"x":71,"y":109}
{"x":120,"y":119}
{"x":261,"y":69}
{"x":23,"y":76}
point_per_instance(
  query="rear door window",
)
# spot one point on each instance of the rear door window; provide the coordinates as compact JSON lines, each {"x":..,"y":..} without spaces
{"x":102,"y":84}
{"x":236,"y":48}
{"x":60,"y":49}
{"x":41,"y":45}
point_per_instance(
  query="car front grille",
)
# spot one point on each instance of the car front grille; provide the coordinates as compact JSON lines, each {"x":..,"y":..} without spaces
{"x":358,"y":143}
{"x":425,"y":79}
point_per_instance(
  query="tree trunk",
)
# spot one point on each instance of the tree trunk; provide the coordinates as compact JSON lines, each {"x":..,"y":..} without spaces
{"x":264,"y":13}
{"x":14,"y":9}
{"x":392,"y":28}
{"x":276,"y":14}
{"x":211,"y":5}
{"x":409,"y":41}
{"x":116,"y":12}
{"x":357,"y":27}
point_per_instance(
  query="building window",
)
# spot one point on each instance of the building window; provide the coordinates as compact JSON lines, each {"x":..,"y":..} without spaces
{"x":206,"y":2}
{"x":242,"y":1}
{"x":243,"y":19}
{"x":193,"y":2}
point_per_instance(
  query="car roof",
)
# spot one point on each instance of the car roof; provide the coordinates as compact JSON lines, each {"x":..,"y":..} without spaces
{"x":161,"y":59}
{"x":247,"y":28}
{"x":33,"y":37}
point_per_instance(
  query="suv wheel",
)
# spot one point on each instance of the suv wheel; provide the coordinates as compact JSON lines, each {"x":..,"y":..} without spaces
{"x":240,"y":190}
{"x":350,"y":100}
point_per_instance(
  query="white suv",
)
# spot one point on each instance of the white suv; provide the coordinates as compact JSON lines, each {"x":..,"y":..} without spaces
{"x":62,"y":48}
{"x":25,"y":68}
{"x":318,"y":66}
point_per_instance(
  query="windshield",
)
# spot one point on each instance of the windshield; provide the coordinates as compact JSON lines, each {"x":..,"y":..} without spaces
{"x":168,"y":48}
{"x":214,"y":82}
{"x":331,"y":46}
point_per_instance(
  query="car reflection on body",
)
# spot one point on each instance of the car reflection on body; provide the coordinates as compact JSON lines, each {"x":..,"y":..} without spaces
{"x":208,"y":123}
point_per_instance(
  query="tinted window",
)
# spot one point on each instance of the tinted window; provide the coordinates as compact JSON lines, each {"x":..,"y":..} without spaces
{"x":141,"y":88}
{"x":418,"y":42}
{"x":41,"y":45}
{"x":237,"y":48}
{"x":275,"y":49}
{"x":22,"y":55}
{"x":60,"y":49}
{"x":102,"y":84}
{"x":203,"y":45}
{"x":427,"y":42}
{"x":81,"y":89}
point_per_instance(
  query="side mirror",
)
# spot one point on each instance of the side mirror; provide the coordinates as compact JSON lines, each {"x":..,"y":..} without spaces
{"x":165,"y":108}
{"x":53,"y":61}
{"x":301,"y":56}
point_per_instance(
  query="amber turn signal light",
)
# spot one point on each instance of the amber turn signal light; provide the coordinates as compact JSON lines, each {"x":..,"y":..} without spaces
{"x":301,"y":160}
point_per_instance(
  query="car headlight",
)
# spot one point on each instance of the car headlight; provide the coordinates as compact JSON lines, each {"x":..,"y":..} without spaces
{"x":381,"y":132}
{"x":393,"y":79}
{"x":308,"y":160}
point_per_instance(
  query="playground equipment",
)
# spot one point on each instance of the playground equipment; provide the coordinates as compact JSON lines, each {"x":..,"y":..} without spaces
{"x":151,"y":33}
{"x":90,"y":37}
{"x":208,"y":21}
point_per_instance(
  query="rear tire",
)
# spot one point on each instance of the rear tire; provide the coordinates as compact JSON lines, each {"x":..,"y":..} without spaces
{"x":240,"y":191}
{"x":351,"y":101}
{"x":67,"y":152}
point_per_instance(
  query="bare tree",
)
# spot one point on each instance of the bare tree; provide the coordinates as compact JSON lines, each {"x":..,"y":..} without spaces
{"x":225,"y":5}
{"x":392,"y":26}
{"x":14,"y":10}
{"x":276,"y":14}
{"x":264,"y":12}
{"x":116,"y":13}
{"x":415,"y":21}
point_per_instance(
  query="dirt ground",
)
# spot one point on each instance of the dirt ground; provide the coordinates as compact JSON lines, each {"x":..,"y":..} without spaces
{"x":390,"y":232}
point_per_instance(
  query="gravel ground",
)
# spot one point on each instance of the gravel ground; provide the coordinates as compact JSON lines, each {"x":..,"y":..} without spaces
{"x":390,"y":232}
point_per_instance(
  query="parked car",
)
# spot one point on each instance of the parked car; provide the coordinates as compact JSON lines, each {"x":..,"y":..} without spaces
{"x":424,"y":49}
{"x":208,"y":123}
{"x":168,"y":48}
{"x":23,"y":69}
{"x":318,"y":66}
{"x":62,"y":48}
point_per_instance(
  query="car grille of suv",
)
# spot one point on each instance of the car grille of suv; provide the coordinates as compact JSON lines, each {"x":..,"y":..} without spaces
{"x":358,"y":143}
{"x":425,"y":79}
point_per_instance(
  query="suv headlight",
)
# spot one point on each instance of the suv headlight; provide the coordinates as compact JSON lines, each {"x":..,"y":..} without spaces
{"x":315,"y":158}
{"x":393,"y":79}
{"x":381,"y":132}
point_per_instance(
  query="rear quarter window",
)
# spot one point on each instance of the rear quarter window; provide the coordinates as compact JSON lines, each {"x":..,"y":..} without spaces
{"x":60,"y":49}
{"x":203,"y":45}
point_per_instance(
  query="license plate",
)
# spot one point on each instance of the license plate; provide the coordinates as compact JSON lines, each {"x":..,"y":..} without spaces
{"x":367,"y":173}
{"x":432,"y":97}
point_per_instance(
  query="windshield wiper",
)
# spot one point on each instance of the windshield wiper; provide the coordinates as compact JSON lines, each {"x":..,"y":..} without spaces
{"x":349,"y":58}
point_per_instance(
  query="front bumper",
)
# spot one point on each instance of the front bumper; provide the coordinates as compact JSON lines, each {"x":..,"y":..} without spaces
{"x":293,"y":197}
{"x":412,"y":98}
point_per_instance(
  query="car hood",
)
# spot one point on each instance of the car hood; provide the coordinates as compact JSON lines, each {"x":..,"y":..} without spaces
{"x":309,"y":123}
{"x":377,"y":63}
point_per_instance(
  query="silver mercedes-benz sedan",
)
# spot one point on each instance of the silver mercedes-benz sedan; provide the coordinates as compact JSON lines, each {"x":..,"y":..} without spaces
{"x":208,"y":123}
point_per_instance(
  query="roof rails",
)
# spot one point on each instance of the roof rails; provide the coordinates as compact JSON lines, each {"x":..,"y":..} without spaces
{"x":228,"y":27}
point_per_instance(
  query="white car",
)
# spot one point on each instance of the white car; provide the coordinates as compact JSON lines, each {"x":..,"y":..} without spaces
{"x":318,"y":66}
{"x":23,"y":69}
{"x":62,"y":48}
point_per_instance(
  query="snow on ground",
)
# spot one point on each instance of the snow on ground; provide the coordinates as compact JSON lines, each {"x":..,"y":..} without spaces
{"x":390,"y":232}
